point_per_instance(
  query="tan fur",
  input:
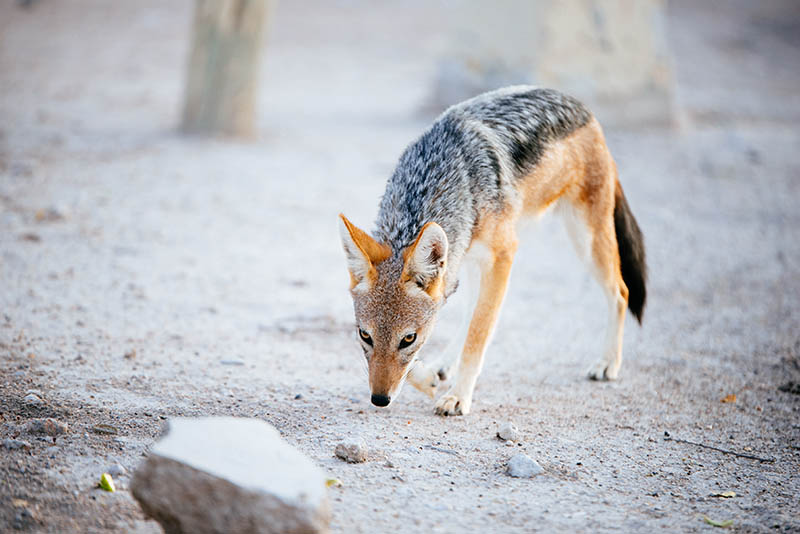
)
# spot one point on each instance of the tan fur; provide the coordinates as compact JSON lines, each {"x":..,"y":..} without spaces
{"x":371,"y":249}
{"x":580,"y":171}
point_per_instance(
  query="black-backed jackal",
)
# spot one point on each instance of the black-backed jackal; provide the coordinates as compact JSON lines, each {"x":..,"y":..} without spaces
{"x":458,"y":192}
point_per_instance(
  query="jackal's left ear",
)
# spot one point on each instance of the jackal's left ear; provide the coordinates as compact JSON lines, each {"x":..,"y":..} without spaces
{"x":426,"y":259}
{"x":362,"y":251}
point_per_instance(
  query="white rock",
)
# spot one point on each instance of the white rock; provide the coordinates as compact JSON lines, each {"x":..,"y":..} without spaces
{"x":352,"y":450}
{"x":508,"y":432}
{"x":523,"y":466}
{"x":226,"y":474}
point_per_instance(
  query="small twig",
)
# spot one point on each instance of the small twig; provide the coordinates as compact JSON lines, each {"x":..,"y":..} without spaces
{"x":724,"y":451}
{"x":439,"y":449}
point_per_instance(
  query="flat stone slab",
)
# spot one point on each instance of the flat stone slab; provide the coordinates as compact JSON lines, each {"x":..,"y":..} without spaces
{"x":227,"y":474}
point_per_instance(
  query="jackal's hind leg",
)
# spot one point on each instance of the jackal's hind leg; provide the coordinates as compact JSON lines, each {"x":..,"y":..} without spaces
{"x":595,"y":242}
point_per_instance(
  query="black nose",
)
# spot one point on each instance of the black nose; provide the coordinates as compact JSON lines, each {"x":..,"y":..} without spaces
{"x":381,"y":400}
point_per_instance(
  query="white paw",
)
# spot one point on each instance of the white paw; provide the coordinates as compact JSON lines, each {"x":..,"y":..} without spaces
{"x":424,"y":379}
{"x":602,"y":370}
{"x":450,"y":404}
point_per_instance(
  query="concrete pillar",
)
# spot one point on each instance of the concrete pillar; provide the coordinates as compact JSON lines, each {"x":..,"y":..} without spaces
{"x":612,"y":54}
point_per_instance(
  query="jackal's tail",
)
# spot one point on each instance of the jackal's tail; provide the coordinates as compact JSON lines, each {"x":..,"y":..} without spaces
{"x":631,"y":254}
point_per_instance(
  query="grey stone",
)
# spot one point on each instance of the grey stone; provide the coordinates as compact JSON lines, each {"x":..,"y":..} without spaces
{"x":13,"y":444}
{"x":117,"y":470}
{"x":508,"y":432}
{"x":51,"y":427}
{"x":226,"y":474}
{"x":352,"y":450}
{"x":523,"y":466}
{"x":32,"y":400}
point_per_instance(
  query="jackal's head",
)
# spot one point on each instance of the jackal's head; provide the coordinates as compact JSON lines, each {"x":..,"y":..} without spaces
{"x":396,"y":295}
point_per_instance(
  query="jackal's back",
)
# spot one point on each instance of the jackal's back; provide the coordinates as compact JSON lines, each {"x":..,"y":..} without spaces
{"x":468,"y":161}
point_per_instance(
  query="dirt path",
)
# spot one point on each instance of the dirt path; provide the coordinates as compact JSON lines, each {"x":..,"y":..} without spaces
{"x":146,"y":275}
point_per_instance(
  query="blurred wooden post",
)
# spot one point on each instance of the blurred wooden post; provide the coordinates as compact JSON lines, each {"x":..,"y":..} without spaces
{"x":222,"y":84}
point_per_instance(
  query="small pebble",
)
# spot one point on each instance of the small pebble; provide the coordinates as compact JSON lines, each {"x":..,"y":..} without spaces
{"x":104,"y":428}
{"x":51,"y":451}
{"x":508,"y":432}
{"x":49,"y":426}
{"x":298,"y":396}
{"x":32,"y":400}
{"x":19,"y":374}
{"x":523,"y":466}
{"x":12,"y":444}
{"x":406,"y":491}
{"x":352,"y":451}
{"x":116,"y":470}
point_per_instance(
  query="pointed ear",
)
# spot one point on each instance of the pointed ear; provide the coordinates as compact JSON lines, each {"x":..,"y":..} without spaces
{"x":362,"y":251}
{"x":426,"y":259}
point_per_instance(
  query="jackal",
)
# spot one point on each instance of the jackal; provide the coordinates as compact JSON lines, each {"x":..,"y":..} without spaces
{"x":457,"y":193}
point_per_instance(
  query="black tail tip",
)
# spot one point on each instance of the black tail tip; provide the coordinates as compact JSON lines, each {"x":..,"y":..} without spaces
{"x":633,"y":265}
{"x":636,"y":302}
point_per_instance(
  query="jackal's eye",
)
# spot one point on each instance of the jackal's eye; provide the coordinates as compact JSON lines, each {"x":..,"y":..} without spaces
{"x":366,"y":337}
{"x":408,"y":340}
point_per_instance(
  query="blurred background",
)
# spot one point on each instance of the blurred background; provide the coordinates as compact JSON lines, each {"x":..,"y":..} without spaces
{"x":170,"y":176}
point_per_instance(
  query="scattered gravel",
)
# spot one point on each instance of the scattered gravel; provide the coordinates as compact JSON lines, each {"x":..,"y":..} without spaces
{"x":353,"y":451}
{"x":523,"y":466}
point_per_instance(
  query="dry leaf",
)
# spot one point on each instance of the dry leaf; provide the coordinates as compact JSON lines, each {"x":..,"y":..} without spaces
{"x":729,"y":398}
{"x":722,"y":524}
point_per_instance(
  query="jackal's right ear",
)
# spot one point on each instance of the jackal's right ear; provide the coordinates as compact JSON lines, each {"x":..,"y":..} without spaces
{"x":362,"y":251}
{"x":426,"y":259}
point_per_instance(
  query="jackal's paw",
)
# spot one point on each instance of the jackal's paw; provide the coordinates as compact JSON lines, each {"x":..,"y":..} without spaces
{"x":424,"y":379}
{"x":451,"y":405}
{"x":602,"y":370}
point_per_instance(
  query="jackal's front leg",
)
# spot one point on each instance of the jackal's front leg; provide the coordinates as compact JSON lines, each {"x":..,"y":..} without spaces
{"x":423,"y":378}
{"x":494,"y":280}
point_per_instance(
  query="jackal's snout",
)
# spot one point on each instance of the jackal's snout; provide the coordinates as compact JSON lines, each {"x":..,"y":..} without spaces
{"x":381,"y":400}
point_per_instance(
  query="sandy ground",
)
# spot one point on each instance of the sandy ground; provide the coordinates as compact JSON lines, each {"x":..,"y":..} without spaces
{"x":146,"y":275}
